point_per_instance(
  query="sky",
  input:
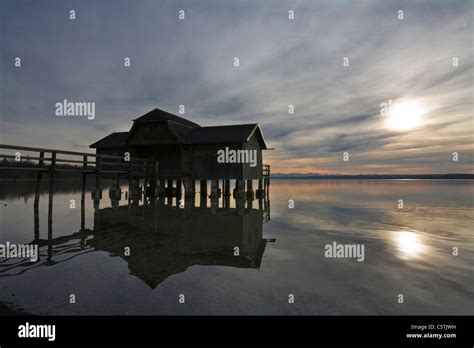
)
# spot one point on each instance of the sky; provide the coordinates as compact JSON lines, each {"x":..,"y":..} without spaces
{"x":421,"y":64}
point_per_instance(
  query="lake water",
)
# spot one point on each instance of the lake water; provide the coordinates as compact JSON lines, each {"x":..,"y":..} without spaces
{"x":281,"y":251}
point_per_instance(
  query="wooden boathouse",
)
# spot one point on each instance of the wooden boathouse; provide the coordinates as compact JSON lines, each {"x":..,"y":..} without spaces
{"x":186,"y":151}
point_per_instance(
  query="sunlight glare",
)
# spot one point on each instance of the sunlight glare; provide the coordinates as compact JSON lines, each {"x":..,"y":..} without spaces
{"x":408,"y":243}
{"x":405,"y":116}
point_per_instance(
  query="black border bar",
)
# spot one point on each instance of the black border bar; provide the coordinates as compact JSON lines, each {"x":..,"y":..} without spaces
{"x":222,"y":330}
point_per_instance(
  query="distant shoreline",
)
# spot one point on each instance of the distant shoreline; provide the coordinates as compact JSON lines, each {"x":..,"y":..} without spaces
{"x":373,"y":176}
{"x":278,"y":176}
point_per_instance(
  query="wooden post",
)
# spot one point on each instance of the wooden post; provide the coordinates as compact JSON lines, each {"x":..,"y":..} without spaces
{"x":188,"y":203}
{"x":189,"y":187}
{"x":130,"y":182}
{"x":267,"y":181}
{"x":203,"y":201}
{"x":169,"y":189}
{"x":145,"y":177}
{"x":117,"y":181}
{"x":214,"y":189}
{"x":240,"y":205}
{"x":260,"y":191}
{"x":268,"y":166}
{"x":250,"y":193}
{"x":203,"y":189}
{"x":226,"y":203}
{"x":83,"y":192}
{"x":36,"y":227}
{"x":214,"y":196}
{"x":214,"y":204}
{"x":249,"y":204}
{"x":154,"y":182}
{"x":98,"y":166}
{"x":179,"y":187}
{"x":37,"y":195}
{"x":162,"y":190}
{"x":226,"y":187}
{"x":52,"y":168}
{"x":236,"y":186}
{"x":38,"y":177}
{"x":239,"y":191}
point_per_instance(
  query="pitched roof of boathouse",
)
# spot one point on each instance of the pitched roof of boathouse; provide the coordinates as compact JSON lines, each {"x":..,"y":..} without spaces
{"x":161,"y":115}
{"x":238,"y":133}
{"x":116,"y":139}
{"x":187,"y":132}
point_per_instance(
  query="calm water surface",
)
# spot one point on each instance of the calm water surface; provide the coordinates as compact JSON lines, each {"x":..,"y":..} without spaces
{"x":190,"y":251}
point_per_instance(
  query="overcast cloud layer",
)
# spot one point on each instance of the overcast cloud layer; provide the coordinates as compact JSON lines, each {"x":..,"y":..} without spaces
{"x":282,"y":62}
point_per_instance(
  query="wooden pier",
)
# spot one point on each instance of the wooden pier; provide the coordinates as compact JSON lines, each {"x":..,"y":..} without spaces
{"x":158,"y":177}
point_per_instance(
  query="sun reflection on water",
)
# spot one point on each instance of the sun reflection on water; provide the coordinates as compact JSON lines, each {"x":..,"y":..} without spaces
{"x":408,"y":244}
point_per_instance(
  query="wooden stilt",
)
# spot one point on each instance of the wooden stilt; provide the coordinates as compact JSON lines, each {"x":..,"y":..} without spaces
{"x":130,"y":183}
{"x":214,"y":189}
{"x":250,"y":194}
{"x":50,"y":203}
{"x":37,"y":196}
{"x":239,"y":191}
{"x":179,"y":187}
{"x":227,"y":187}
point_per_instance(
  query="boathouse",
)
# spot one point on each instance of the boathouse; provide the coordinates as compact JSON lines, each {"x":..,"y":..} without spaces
{"x":186,"y":149}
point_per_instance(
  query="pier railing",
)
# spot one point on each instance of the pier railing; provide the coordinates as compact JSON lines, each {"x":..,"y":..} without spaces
{"x":51,"y":160}
{"x":23,"y":158}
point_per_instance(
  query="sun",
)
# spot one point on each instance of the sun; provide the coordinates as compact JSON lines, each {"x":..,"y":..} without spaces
{"x":405,"y":116}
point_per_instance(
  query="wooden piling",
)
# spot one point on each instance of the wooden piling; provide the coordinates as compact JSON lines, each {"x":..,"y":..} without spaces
{"x":83,"y":192}
{"x":154,"y":182}
{"x":162,"y":188}
{"x":214,"y":189}
{"x":37,"y":195}
{"x":38,"y":178}
{"x":130,"y":182}
{"x":239,"y":191}
{"x":260,"y":191}
{"x":52,"y":168}
{"x":250,"y":194}
{"x":227,"y":188}
{"x":203,"y":201}
{"x":145,"y":178}
{"x":179,"y":186}
{"x":203,"y":188}
{"x":189,"y":186}
{"x":169,"y":188}
{"x":98,"y":168}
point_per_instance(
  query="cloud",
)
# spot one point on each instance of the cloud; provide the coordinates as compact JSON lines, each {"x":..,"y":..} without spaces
{"x":283,"y":62}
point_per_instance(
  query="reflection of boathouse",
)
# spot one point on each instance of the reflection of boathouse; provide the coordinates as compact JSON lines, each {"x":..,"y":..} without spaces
{"x":163,"y":238}
{"x":164,"y":241}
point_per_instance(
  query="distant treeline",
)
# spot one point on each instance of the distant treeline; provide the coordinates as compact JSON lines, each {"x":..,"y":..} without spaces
{"x":23,"y":172}
{"x":372,"y":176}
